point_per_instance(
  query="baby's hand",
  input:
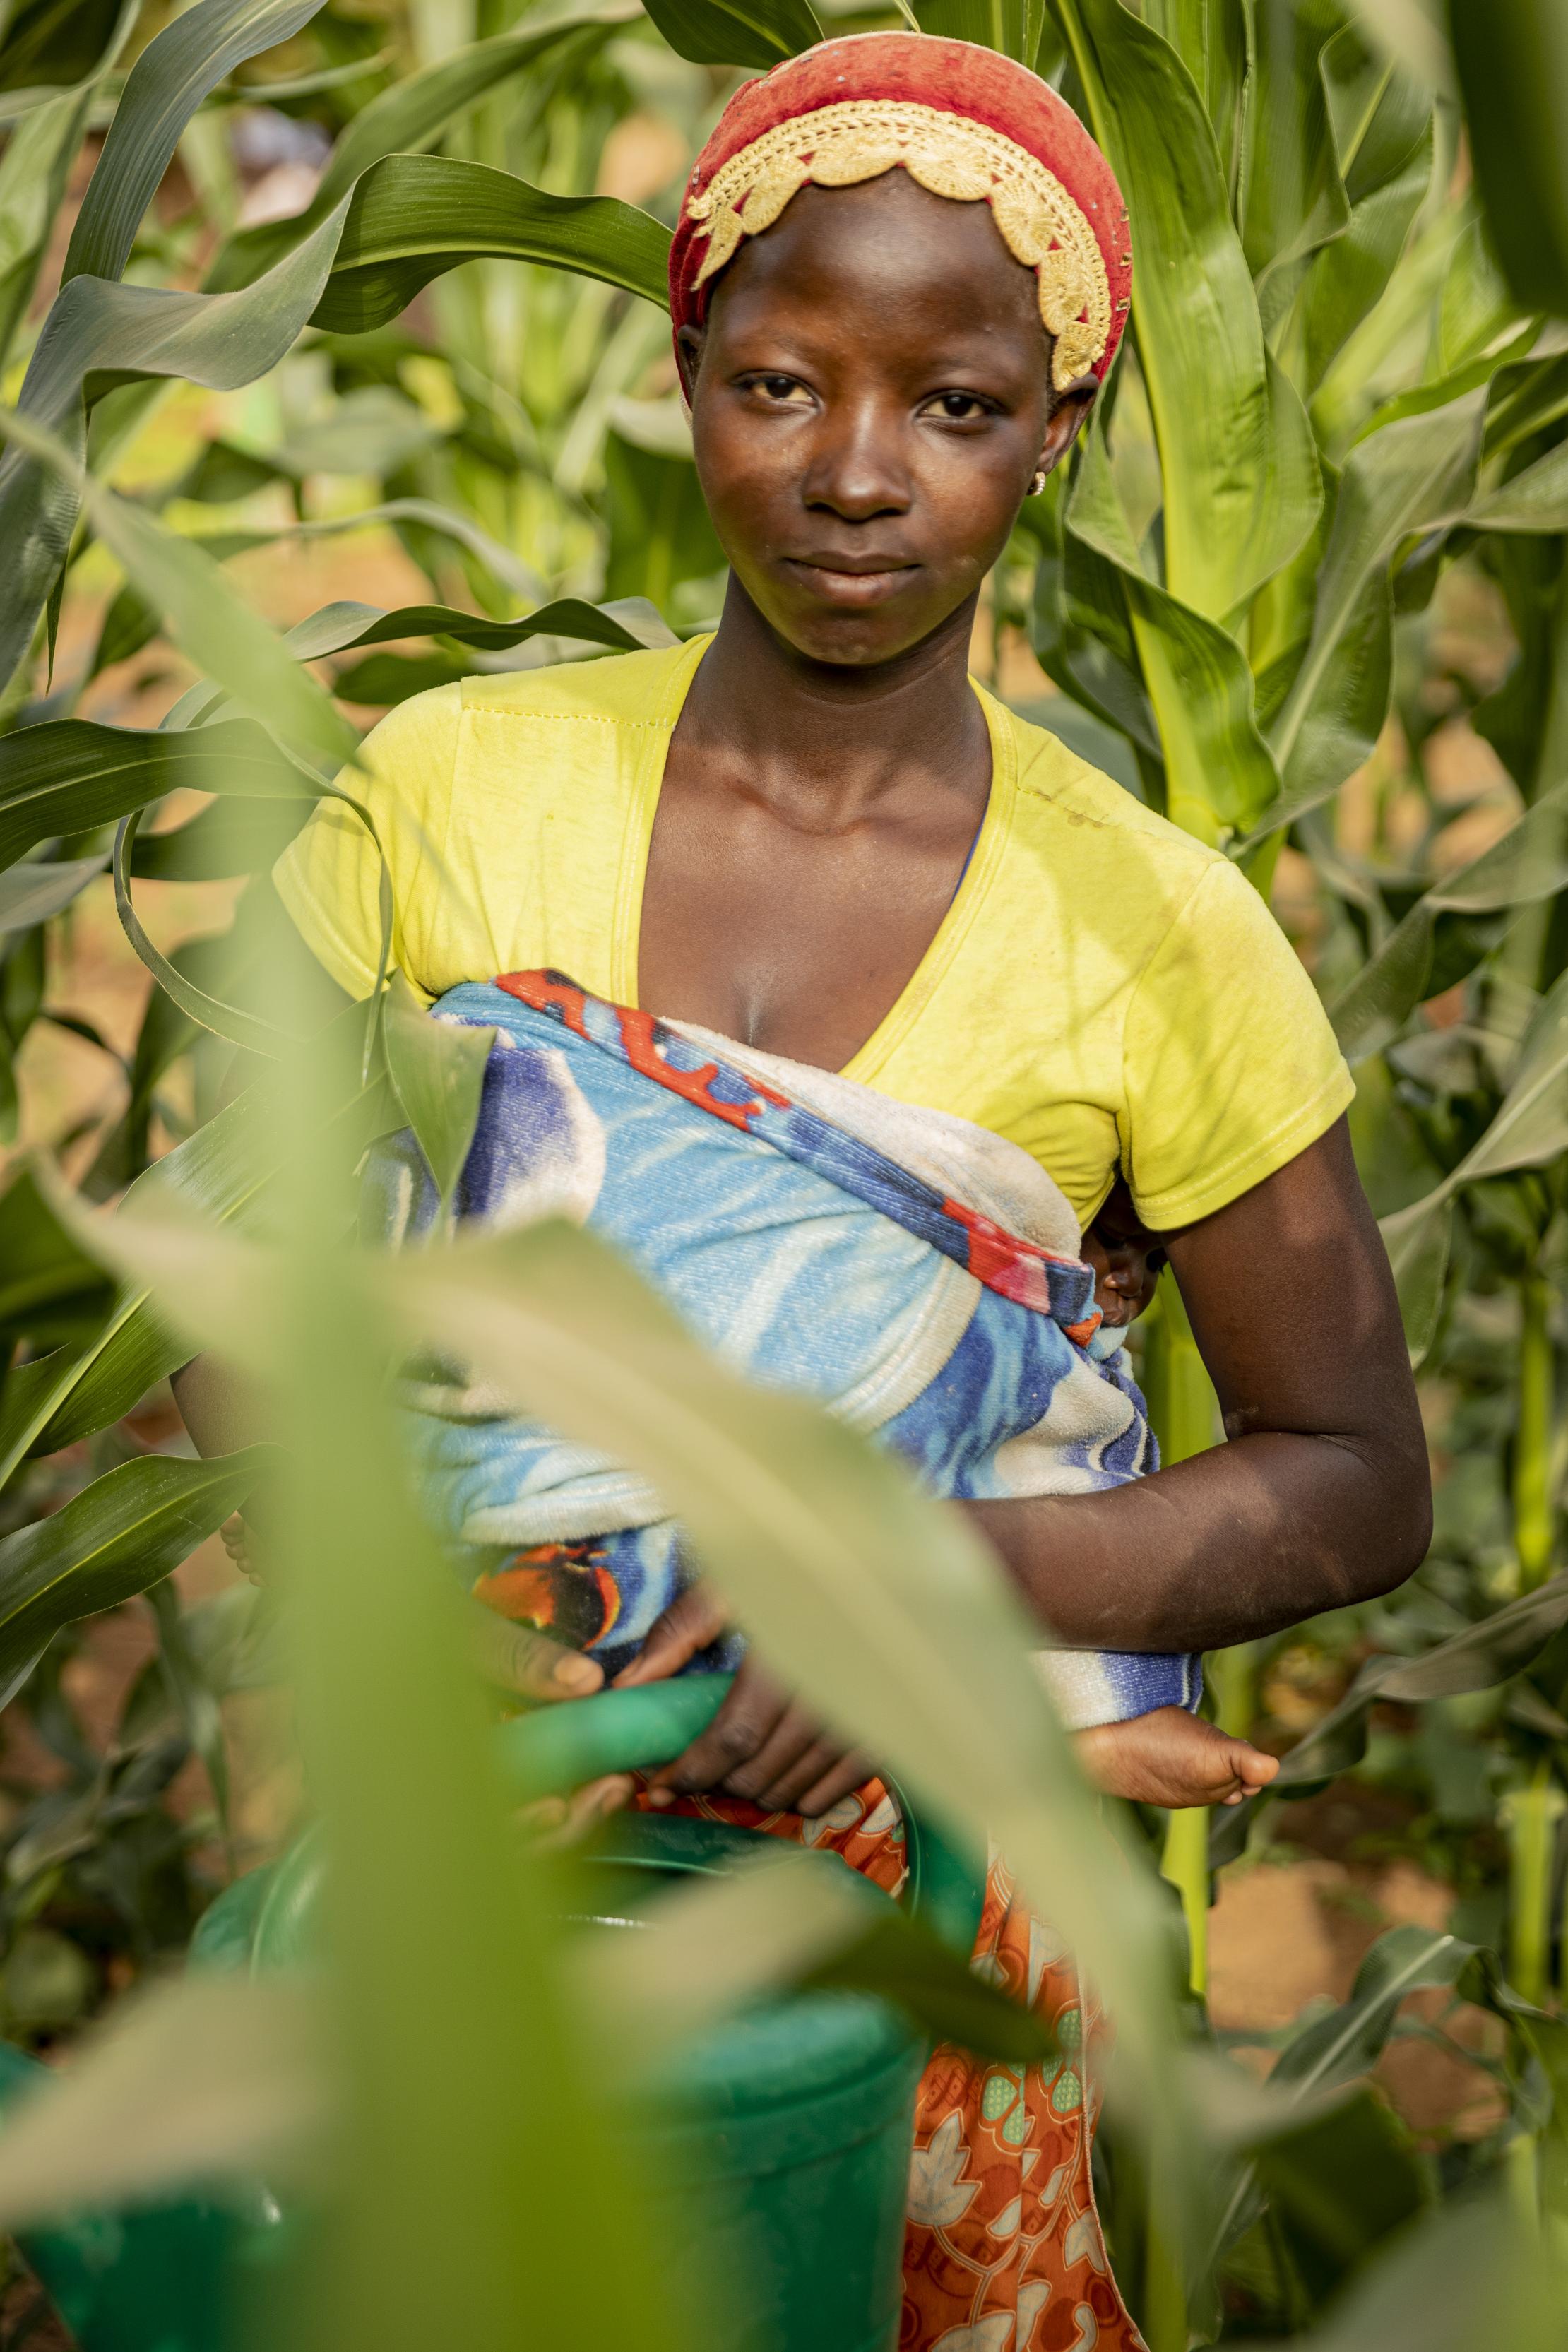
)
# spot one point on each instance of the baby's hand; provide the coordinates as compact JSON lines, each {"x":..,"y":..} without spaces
{"x":1172,"y":1757}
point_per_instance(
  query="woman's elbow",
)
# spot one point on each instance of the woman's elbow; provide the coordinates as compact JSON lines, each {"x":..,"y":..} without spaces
{"x":1395,"y":1531}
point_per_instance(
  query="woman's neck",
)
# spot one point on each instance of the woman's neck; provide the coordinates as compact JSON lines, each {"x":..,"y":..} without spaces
{"x":828,"y":739}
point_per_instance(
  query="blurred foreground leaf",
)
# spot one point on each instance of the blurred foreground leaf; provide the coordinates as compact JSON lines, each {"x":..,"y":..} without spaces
{"x":210,"y":2076}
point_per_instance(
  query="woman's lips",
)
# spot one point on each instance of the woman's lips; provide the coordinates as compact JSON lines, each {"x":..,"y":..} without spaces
{"x":854,"y":584}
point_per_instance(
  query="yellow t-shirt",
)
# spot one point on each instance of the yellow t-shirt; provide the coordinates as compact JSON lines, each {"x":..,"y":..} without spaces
{"x":1102,"y":990}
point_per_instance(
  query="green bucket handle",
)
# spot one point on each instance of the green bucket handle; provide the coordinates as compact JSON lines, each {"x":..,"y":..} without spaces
{"x":555,"y":1748}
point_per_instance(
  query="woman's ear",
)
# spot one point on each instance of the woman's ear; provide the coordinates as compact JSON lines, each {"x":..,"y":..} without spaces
{"x":1066,"y":418}
{"x":689,"y":358}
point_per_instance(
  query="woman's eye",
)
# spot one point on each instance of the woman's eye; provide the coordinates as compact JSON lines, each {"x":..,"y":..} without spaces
{"x":961,"y":407}
{"x":779,"y":388}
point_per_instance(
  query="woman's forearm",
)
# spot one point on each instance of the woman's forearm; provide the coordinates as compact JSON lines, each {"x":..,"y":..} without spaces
{"x":1322,"y":1496}
{"x":1237,"y":1542}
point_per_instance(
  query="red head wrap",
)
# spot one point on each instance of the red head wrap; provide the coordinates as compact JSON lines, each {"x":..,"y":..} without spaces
{"x":961,"y":120}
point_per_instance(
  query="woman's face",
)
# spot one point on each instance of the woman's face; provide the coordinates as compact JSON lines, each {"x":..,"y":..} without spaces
{"x":870,"y":396}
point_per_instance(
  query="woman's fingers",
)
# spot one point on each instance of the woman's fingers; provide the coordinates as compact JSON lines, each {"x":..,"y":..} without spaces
{"x":559,"y":1822}
{"x":777,"y":1762}
{"x":741,"y":1727}
{"x":518,"y":1659}
{"x":843,"y":1774}
{"x":693,"y":1619}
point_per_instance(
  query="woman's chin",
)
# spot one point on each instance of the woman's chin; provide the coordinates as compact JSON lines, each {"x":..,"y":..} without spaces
{"x":853,"y":636}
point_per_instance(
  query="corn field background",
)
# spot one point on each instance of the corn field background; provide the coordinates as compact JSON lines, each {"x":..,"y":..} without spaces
{"x":334,"y":366}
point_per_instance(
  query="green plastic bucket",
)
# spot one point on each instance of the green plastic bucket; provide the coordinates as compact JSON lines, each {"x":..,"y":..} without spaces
{"x":775,"y":2148}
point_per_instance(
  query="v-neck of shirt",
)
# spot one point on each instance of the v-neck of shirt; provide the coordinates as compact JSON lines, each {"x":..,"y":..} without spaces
{"x":985,"y":858}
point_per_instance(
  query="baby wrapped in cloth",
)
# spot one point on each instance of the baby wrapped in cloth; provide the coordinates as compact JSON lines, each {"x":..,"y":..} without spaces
{"x":916,"y":1273}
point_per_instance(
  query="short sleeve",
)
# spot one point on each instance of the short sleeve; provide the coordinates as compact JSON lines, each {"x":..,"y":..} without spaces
{"x":1230,"y":1067}
{"x":329,"y":878}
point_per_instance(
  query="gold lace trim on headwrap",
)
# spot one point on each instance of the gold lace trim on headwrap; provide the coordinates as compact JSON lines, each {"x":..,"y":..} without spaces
{"x":951,"y":154}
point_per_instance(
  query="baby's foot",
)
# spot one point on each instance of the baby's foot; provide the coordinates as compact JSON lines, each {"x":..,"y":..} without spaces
{"x":1172,"y":1757}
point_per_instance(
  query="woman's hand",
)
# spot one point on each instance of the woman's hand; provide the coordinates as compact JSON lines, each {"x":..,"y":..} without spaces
{"x":761,"y":1746}
{"x":515,"y":1658}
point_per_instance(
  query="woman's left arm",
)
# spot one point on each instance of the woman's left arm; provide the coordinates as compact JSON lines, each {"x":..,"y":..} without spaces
{"x":1322,"y":1496}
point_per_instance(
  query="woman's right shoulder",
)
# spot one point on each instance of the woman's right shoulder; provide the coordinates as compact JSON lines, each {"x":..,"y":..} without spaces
{"x":413,"y":752}
{"x":628,"y":689}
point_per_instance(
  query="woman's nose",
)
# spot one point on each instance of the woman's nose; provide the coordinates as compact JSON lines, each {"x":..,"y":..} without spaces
{"x":857,"y":468}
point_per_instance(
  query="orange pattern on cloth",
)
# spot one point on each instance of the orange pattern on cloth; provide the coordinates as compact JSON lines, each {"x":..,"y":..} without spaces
{"x":1002,"y":2247}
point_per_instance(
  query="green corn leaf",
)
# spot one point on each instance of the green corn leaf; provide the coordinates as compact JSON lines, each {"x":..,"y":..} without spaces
{"x":373,"y":430}
{"x":438,"y":1070}
{"x":1381,"y":123}
{"x":1338,"y":2187}
{"x":33,"y":894}
{"x":1535,"y":499}
{"x":1482,"y":1656}
{"x":162,"y":90}
{"x":1511,"y":61}
{"x":660,"y":534}
{"x":225,"y":1170}
{"x":1407,"y":477}
{"x":904,"y":1962}
{"x":164,"y":1033}
{"x":70,"y":775}
{"x":1219,"y":774}
{"x":403,"y":118}
{"x":200,"y":1715}
{"x":1531,"y":1122}
{"x":1529,"y":864}
{"x":792,"y":1919}
{"x":34,"y":169}
{"x":1015,"y":29}
{"x":625,"y":625}
{"x":49,"y":1287}
{"x":413,"y":217}
{"x":756,"y":33}
{"x":1348,"y":2041}
{"x":1336,"y":2049}
{"x":1338,"y":154}
{"x":247,"y":1030}
{"x":205,"y":615}
{"x":1080,"y":628}
{"x":439,"y":1924}
{"x":1241,"y":483}
{"x":1293,"y":200}
{"x":232,"y":836}
{"x":382,"y":679}
{"x":127,"y":1530}
{"x":1418,"y":1241}
{"x":124,"y":332}
{"x":1527,"y":397}
{"x":59,"y":45}
{"x":1474,"y":2274}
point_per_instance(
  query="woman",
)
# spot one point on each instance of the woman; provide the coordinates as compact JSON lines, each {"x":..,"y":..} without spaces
{"x":899,"y":279}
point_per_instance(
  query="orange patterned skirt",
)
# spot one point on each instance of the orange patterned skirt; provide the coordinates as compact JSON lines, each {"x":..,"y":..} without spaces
{"x":1003,"y":2251}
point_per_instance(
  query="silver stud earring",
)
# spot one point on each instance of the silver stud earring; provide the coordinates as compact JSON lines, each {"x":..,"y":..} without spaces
{"x":1041,"y":477}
